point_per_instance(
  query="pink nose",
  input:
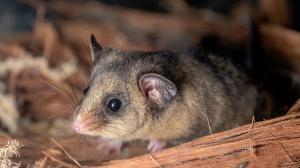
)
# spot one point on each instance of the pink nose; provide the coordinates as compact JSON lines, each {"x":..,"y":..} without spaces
{"x":78,"y":127}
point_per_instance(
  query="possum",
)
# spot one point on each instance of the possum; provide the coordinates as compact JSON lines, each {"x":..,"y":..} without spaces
{"x":162,"y":97}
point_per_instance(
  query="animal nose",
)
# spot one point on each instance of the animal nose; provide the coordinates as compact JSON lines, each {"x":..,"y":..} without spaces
{"x":78,"y":127}
{"x":83,"y":126}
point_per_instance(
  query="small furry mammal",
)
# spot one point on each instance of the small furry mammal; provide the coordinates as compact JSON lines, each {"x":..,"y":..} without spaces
{"x":163,"y":97}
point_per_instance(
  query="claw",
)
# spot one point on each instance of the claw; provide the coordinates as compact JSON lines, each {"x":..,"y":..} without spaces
{"x":156,"y":145}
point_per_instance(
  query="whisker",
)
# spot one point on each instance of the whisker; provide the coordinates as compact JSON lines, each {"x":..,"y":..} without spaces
{"x":99,"y":124}
{"x":109,"y":131}
{"x":72,"y":88}
{"x":65,"y":121}
{"x":121,"y":124}
{"x":57,"y":89}
{"x":61,"y":116}
{"x":116,"y":128}
{"x":57,"y":104}
{"x":38,"y":94}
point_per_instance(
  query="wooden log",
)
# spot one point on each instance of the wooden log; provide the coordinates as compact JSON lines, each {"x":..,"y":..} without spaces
{"x":271,"y":143}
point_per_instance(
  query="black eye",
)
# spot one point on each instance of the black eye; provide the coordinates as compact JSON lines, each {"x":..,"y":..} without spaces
{"x":86,"y":90}
{"x":114,"y":104}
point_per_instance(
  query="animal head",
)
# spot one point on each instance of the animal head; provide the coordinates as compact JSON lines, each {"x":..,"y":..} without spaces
{"x":127,"y":93}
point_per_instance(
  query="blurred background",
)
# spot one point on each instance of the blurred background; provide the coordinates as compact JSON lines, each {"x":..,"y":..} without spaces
{"x":45,"y":61}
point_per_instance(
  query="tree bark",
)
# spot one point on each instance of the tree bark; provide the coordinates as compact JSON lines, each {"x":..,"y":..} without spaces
{"x":271,"y":143}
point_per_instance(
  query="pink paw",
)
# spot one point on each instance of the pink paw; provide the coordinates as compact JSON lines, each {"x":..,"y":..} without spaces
{"x":110,"y":147}
{"x":156,"y":145}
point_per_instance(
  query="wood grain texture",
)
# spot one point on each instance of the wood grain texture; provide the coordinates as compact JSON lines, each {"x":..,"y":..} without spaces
{"x":271,"y":143}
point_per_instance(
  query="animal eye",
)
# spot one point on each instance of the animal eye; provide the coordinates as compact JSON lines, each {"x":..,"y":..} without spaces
{"x":86,"y":90}
{"x":114,"y":104}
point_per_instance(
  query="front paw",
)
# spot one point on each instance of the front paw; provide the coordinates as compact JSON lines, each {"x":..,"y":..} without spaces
{"x":156,"y":145}
{"x":110,"y":147}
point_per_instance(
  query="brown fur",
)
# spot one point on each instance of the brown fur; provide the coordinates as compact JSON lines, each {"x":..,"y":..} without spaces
{"x":212,"y":94}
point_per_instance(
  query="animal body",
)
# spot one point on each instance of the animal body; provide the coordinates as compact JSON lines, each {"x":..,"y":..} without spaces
{"x":163,"y":97}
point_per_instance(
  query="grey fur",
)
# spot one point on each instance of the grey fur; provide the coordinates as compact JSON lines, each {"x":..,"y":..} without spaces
{"x":212,"y":95}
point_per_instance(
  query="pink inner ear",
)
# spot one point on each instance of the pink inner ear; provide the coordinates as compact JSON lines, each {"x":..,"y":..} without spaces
{"x":148,"y":85}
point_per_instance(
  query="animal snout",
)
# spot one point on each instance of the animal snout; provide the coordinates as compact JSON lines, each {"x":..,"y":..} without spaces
{"x":82,"y":126}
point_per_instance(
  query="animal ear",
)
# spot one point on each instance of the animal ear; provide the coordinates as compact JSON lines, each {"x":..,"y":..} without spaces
{"x":157,"y":88}
{"x":95,"y":47}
